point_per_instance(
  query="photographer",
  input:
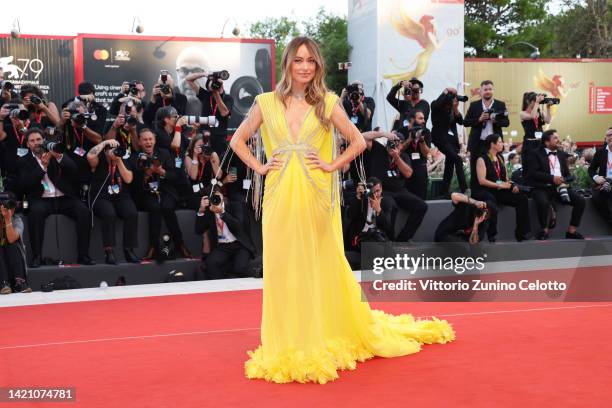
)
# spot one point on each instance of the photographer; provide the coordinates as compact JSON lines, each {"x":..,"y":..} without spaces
{"x":600,"y":171}
{"x":126,"y":125}
{"x":164,"y":95}
{"x":109,"y":197}
{"x":12,"y":250}
{"x":548,"y":173}
{"x":369,"y":216}
{"x":129,"y":90}
{"x":215,"y":102}
{"x":201,"y":164}
{"x":97,"y":112}
{"x":491,"y":185}
{"x":154,"y":177}
{"x":42,"y":113}
{"x":231,"y":247}
{"x":445,"y":117}
{"x":7,"y":90}
{"x":391,"y":165}
{"x":467,"y":222}
{"x":533,"y":119}
{"x":13,"y":142}
{"x":358,"y":108}
{"x":46,"y":178}
{"x":79,"y":138}
{"x":417,"y":147}
{"x":412,"y":91}
{"x":485,"y":116}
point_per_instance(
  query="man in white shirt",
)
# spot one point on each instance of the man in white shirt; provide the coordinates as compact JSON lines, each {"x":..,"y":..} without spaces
{"x":600,"y":171}
{"x":231,"y":246}
{"x":547,"y":172}
{"x":47,"y":179}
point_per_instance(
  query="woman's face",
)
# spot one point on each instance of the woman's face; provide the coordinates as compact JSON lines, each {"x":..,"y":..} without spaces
{"x":498,"y":147}
{"x":303,"y":66}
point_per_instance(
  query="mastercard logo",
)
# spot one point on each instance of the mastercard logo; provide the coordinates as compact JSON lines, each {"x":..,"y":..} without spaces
{"x":101,"y":54}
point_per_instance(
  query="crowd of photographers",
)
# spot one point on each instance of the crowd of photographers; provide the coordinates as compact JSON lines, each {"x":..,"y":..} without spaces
{"x":144,"y":154}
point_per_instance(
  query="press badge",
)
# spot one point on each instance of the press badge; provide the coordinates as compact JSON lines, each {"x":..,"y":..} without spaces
{"x":416,"y":156}
{"x":391,"y":173}
{"x":246,"y":184}
{"x":127,"y":154}
{"x":114,"y":189}
{"x":196,"y":187}
{"x":178,"y":162}
{"x":21,"y":152}
{"x":47,"y":187}
{"x":538,"y":135}
{"x":354,"y":119}
{"x":406,"y":123}
{"x":79,"y":151}
{"x":154,"y":185}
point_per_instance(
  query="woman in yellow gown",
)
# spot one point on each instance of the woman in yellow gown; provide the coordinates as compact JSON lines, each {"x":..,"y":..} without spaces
{"x":314,"y":321}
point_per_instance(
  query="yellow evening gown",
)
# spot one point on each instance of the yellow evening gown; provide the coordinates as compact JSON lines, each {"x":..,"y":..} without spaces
{"x":314,"y":321}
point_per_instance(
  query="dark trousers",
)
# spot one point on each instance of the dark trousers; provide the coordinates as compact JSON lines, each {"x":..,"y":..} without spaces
{"x":41,"y":208}
{"x":228,"y":260}
{"x":519,"y":201}
{"x":546,"y":197}
{"x":452,"y":163}
{"x":108,"y":210}
{"x":413,"y":205}
{"x":12,"y":262}
{"x":417,"y":184}
{"x":528,"y":147}
{"x":602,"y":200}
{"x":160,"y":206}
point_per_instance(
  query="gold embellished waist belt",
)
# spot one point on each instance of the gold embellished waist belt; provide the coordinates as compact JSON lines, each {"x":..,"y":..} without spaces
{"x":297,"y":147}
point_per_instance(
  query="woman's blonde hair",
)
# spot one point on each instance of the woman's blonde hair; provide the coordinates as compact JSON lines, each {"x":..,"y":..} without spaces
{"x":316,"y":89}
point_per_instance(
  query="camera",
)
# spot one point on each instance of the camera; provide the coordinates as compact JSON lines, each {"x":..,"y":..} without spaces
{"x":369,"y":189}
{"x":164,"y":88}
{"x":522,"y":188}
{"x":20,"y":114}
{"x":36,"y":100}
{"x":132,"y":90}
{"x":203,"y":120}
{"x":163,"y":75}
{"x":213,"y":79}
{"x":552,"y":101}
{"x":131,"y":120}
{"x":493,"y":113}
{"x":80,"y":118}
{"x":215,"y":199}
{"x":7,"y":86}
{"x":118,"y":151}
{"x":392,"y":144}
{"x":563,"y":192}
{"x":451,"y":96}
{"x":207,"y":149}
{"x":355,"y":93}
{"x":145,"y":161}
{"x":7,"y":201}
{"x":53,"y":146}
{"x":607,"y":185}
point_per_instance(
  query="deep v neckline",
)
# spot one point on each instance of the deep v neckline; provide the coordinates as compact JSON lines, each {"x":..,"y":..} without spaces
{"x":304,"y":119}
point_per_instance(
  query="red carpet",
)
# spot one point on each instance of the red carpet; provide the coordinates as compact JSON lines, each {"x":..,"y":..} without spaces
{"x":540,"y":358}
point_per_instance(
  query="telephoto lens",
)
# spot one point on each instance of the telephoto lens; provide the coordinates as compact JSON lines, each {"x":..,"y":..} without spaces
{"x":215,"y":199}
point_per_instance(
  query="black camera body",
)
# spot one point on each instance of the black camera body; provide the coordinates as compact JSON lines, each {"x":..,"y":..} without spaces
{"x":493,"y":113}
{"x":80,"y":118}
{"x":551,"y":101}
{"x":213,"y":79}
{"x":132,"y":90}
{"x":36,"y":100}
{"x":355,"y":93}
{"x":53,"y":146}
{"x":145,"y":161}
{"x":451,"y":96}
{"x":131,"y":120}
{"x":215,"y":199}
{"x":118,"y":151}
{"x":522,"y":188}
{"x":7,"y":86}
{"x":17,"y":113}
{"x":164,"y":88}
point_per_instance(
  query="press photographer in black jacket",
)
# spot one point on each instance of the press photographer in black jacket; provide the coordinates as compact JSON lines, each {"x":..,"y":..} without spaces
{"x":13,"y":277}
{"x":467,"y":222}
{"x":548,"y":173}
{"x":417,"y":147}
{"x":485,"y":116}
{"x":357,"y":106}
{"x":164,"y":94}
{"x":600,"y":171}
{"x":445,"y":117}
{"x":409,"y":100}
{"x":492,"y":186}
{"x":155,"y":175}
{"x":109,"y":197}
{"x":369,"y":216}
{"x":231,"y":247}
{"x":47,"y":180}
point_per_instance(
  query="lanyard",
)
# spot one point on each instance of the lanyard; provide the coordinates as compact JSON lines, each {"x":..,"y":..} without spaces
{"x":21,"y":139}
{"x":200,"y":171}
{"x":220,"y":224}
{"x":497,"y":169}
{"x":80,"y":138}
{"x":38,"y":117}
{"x":211,"y":106}
{"x":126,"y":137}
{"x":111,"y":170}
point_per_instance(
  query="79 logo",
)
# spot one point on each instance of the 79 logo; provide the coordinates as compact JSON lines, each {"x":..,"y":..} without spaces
{"x":23,"y":69}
